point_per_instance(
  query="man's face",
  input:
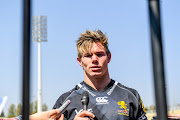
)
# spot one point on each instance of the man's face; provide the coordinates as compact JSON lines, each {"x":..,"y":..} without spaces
{"x":95,"y":62}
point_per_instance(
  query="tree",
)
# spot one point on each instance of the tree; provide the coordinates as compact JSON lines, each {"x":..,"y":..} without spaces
{"x":33,"y":107}
{"x":152,"y":107}
{"x":11,"y":111}
{"x":18,"y":110}
{"x":2,"y":114}
{"x":44,"y":107}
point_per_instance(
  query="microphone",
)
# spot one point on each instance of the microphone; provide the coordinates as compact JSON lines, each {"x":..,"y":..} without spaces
{"x":63,"y":107}
{"x":85,"y":99}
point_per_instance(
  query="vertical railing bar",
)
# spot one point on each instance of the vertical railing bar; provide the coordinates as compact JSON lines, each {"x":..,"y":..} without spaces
{"x":26,"y":59}
{"x":158,"y":63}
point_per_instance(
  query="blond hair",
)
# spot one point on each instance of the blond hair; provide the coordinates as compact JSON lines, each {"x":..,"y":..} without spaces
{"x":86,"y":39}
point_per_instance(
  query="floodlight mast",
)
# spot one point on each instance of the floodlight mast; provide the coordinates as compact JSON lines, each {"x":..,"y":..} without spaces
{"x":39,"y":34}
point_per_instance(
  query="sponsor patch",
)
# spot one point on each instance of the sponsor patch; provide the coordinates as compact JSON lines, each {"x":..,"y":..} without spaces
{"x":77,"y":112}
{"x":102,"y":100}
{"x":123,"y":108}
{"x":84,"y":88}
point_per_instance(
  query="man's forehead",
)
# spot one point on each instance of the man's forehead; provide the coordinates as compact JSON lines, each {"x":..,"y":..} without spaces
{"x":95,"y":47}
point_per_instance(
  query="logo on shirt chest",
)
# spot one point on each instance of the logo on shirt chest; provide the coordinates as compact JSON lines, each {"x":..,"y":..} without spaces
{"x":77,"y":112}
{"x":102,"y":100}
{"x":123,"y":108}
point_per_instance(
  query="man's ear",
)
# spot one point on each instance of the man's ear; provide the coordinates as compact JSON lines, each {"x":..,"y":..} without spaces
{"x":109,"y":57}
{"x":79,"y":61}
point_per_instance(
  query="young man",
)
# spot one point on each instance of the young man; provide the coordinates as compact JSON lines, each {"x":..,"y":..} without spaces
{"x":108,"y":99}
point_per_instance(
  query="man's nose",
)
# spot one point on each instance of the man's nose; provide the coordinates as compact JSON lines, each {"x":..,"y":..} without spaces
{"x":94,"y":58}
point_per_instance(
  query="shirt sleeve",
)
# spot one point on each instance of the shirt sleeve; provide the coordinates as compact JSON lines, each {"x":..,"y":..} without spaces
{"x":141,"y":115}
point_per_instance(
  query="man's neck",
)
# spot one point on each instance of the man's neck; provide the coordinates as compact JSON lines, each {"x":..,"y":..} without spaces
{"x":98,"y":83}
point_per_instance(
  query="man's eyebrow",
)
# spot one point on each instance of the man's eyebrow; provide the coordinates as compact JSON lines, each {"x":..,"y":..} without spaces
{"x":87,"y":53}
{"x":100,"y":52}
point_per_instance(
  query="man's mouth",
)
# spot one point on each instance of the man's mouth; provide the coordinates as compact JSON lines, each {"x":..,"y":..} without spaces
{"x":95,"y":68}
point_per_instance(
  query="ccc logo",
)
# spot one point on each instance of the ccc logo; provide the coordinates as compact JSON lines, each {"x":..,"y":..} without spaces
{"x":102,"y":99}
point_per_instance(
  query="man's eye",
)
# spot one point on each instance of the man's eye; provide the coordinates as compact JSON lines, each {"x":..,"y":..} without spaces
{"x":89,"y":55}
{"x":100,"y":55}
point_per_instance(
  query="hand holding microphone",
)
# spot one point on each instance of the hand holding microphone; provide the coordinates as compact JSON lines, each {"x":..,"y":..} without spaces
{"x":47,"y":115}
{"x":84,"y":114}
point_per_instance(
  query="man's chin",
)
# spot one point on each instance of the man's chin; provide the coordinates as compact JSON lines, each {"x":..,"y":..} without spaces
{"x":96,"y":75}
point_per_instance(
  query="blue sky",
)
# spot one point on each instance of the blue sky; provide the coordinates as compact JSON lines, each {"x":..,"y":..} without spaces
{"x":127,"y":26}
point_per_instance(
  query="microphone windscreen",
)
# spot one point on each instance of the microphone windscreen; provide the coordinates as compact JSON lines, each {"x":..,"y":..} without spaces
{"x":85,"y":98}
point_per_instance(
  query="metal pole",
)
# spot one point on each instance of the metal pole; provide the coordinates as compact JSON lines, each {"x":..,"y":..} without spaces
{"x":39,"y":79}
{"x":39,"y":34}
{"x":158,"y":63}
{"x":26,"y":58}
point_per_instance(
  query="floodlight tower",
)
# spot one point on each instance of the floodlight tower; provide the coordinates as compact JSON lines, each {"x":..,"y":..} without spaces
{"x":39,"y":34}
